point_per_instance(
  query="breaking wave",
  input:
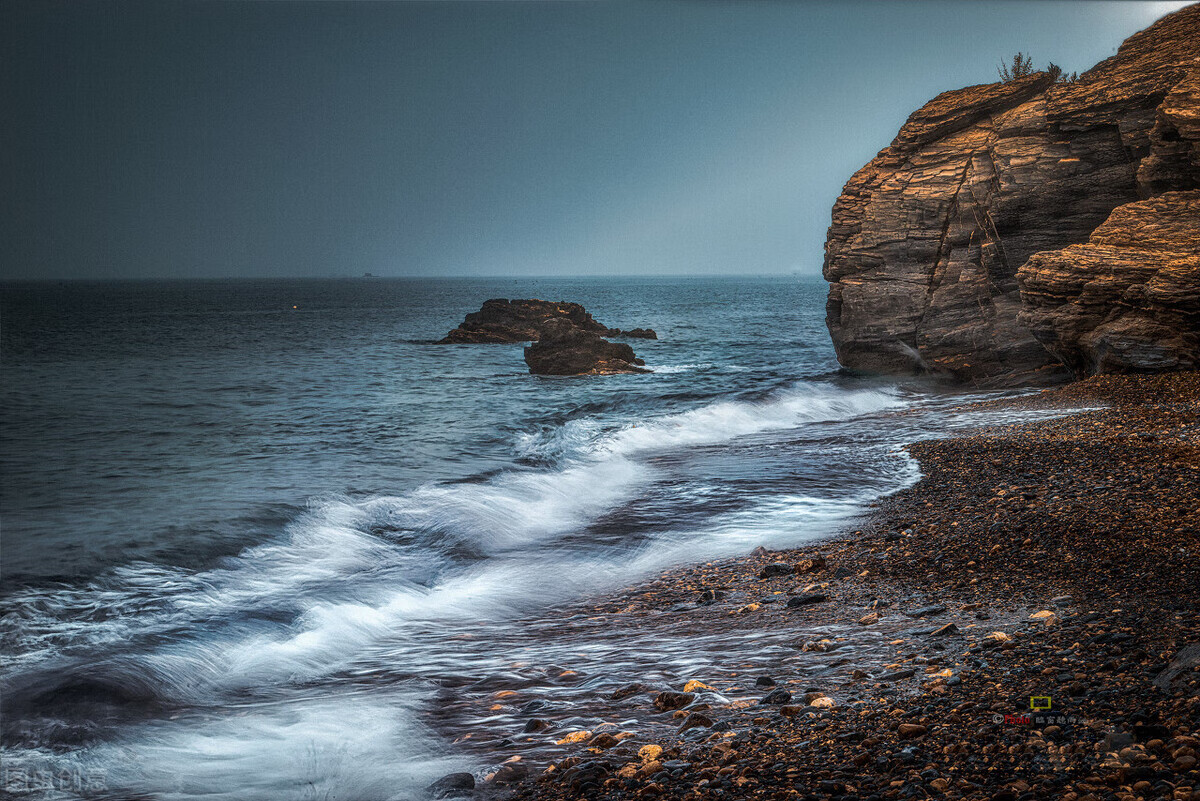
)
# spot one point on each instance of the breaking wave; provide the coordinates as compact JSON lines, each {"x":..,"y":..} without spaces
{"x":260,"y":663}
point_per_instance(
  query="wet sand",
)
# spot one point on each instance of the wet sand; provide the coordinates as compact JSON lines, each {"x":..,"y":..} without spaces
{"x":1055,"y":562}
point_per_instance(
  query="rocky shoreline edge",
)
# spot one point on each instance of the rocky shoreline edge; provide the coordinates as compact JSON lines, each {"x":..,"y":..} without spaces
{"x":1054,"y":562}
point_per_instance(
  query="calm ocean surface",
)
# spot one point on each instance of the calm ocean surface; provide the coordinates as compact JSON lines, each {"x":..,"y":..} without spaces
{"x":253,"y":530}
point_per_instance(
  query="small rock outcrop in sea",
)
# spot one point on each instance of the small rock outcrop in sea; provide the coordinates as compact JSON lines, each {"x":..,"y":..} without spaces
{"x":566,"y":349}
{"x":507,"y":321}
{"x":634,"y":333}
{"x":503,"y":320}
{"x":951,"y":251}
{"x":566,"y":339}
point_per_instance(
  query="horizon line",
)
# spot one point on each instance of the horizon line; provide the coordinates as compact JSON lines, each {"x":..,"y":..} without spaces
{"x":371,"y":276}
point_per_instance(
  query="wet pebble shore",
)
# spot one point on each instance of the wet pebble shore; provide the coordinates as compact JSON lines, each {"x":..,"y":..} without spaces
{"x":1021,"y":624}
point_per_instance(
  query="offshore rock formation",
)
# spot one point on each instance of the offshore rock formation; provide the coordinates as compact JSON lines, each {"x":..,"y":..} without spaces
{"x":507,"y":321}
{"x":502,"y":320}
{"x":1128,"y":300}
{"x":567,"y":340}
{"x":566,"y":349}
{"x":634,"y":333}
{"x":925,"y":252}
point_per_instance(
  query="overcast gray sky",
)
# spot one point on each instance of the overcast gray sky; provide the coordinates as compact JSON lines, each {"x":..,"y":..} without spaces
{"x":189,"y":139}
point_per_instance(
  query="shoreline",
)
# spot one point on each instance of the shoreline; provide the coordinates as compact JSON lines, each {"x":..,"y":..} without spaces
{"x":1058,"y":558}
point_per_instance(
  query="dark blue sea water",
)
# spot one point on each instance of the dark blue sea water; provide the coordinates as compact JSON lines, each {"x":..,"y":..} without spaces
{"x":255,"y":531}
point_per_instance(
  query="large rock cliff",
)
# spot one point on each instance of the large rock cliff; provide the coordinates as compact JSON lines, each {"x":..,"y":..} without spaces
{"x":951,"y":251}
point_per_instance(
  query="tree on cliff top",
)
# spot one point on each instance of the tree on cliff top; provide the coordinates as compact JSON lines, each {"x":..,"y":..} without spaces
{"x":1058,"y":76}
{"x":1021,"y":67}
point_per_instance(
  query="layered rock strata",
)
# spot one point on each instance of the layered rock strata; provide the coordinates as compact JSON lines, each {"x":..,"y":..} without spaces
{"x":1129,"y":299}
{"x":925,"y":252}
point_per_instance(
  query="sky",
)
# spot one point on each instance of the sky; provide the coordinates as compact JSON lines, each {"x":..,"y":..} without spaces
{"x":274,"y":138}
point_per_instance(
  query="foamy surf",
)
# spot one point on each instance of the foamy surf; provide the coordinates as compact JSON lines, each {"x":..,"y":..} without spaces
{"x":671,"y":369}
{"x":238,"y":669}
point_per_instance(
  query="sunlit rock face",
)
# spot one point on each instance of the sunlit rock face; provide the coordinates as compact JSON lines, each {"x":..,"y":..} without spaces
{"x":925,"y":252}
{"x":1129,"y":299}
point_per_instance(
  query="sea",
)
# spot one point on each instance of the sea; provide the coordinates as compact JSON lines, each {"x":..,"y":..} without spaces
{"x":264,"y":539}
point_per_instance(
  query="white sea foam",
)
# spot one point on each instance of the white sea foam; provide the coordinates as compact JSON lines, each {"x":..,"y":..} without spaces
{"x":670,"y":369}
{"x":727,"y":420}
{"x":339,"y":746}
{"x":507,"y":515}
{"x":710,"y":424}
{"x":351,"y":581}
{"x":344,"y":587}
